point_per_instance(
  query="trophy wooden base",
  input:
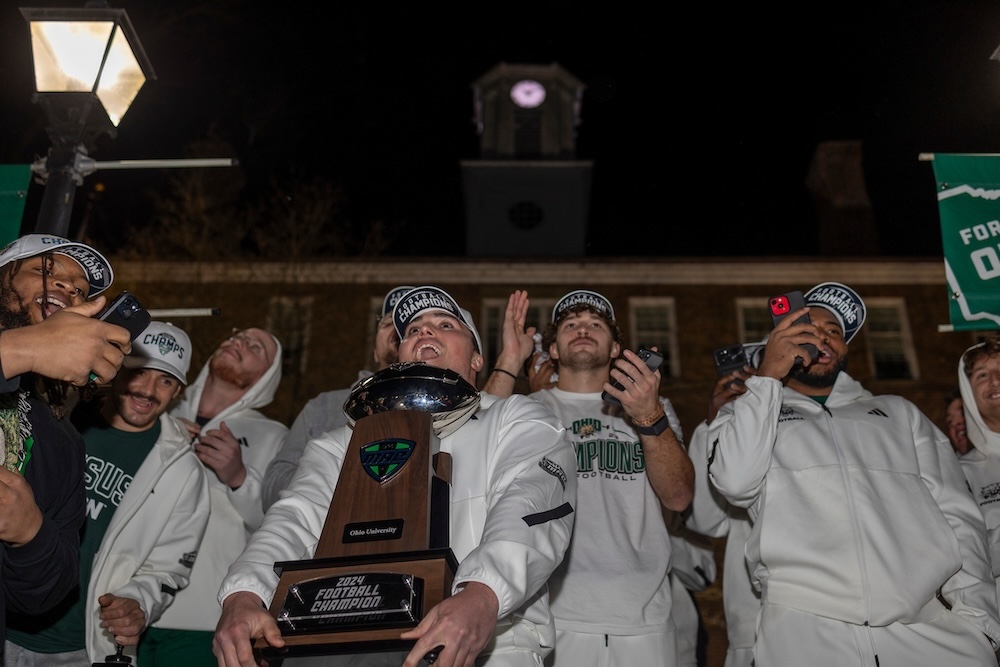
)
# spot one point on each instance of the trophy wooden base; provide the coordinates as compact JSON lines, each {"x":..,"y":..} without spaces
{"x":382,"y":559}
{"x":329,"y":606}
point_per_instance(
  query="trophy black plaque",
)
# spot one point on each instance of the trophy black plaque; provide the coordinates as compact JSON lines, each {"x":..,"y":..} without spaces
{"x":383,"y":558}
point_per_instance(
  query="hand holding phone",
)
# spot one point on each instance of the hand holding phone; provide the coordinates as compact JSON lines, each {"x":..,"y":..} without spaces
{"x":783,"y":304}
{"x":729,"y":359}
{"x":653,"y":361}
{"x":125,"y":311}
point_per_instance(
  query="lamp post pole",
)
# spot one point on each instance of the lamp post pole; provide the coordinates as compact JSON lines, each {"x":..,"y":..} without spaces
{"x":63,"y":177}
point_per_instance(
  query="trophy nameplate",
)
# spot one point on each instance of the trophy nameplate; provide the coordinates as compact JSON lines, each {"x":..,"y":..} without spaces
{"x":383,"y":558}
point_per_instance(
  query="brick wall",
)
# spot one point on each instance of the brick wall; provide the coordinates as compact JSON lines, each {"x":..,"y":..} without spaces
{"x":705,"y":290}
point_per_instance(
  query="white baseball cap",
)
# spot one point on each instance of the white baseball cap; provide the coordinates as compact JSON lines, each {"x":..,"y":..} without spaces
{"x":95,"y":266}
{"x":163,"y":347}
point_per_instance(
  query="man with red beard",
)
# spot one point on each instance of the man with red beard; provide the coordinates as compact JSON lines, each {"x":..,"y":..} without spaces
{"x":147,"y":508}
{"x":866,"y":545}
{"x":49,"y":335}
{"x":236,"y":442}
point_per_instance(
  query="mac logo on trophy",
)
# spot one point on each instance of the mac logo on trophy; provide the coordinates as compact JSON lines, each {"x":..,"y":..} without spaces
{"x":383,"y":558}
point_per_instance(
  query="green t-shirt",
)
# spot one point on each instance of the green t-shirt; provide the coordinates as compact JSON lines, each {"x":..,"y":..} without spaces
{"x":113,"y":458}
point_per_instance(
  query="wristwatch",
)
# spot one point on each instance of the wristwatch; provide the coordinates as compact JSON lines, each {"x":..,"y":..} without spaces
{"x":656,"y":428}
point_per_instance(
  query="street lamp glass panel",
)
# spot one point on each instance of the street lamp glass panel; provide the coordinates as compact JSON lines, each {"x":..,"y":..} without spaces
{"x":68,"y":54}
{"x":121,"y":79}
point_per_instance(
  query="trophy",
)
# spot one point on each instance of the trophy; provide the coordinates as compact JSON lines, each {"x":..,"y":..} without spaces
{"x":383,"y":558}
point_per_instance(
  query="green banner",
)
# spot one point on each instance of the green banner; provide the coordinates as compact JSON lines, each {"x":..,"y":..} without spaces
{"x":968,"y":192}
{"x":14,"y":182}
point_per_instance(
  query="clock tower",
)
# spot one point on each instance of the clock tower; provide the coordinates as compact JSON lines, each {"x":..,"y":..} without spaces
{"x":527,"y":194}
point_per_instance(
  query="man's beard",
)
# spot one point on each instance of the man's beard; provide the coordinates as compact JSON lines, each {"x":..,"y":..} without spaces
{"x":801,"y":374}
{"x":14,"y":314}
{"x":223,"y":370}
{"x":388,"y":358}
{"x":584,"y":360}
{"x":13,"y":319}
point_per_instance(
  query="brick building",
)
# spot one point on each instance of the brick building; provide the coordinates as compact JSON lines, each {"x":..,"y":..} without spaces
{"x":324,"y":313}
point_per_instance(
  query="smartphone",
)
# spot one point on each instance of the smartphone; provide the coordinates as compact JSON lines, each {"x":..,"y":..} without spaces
{"x":653,"y":361}
{"x":126,"y":311}
{"x":729,"y":359}
{"x":783,"y":304}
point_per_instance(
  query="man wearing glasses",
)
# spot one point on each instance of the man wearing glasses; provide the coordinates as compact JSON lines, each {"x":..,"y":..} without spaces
{"x":236,"y":442}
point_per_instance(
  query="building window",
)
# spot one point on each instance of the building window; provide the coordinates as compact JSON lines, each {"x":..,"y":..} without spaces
{"x":652,"y":321}
{"x":754,"y":320}
{"x":490,"y":327}
{"x":890,"y":342}
{"x":290,"y":319}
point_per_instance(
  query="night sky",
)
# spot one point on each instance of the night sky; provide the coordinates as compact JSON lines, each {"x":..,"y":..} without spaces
{"x":701,"y":122}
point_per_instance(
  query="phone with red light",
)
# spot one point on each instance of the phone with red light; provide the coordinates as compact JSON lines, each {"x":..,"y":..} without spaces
{"x":781,"y":305}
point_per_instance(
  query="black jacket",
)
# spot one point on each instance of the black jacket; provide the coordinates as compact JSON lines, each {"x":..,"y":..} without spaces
{"x":36,"y":576}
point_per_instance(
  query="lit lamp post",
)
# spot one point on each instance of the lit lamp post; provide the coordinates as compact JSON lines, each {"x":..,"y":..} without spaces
{"x":89,"y":66}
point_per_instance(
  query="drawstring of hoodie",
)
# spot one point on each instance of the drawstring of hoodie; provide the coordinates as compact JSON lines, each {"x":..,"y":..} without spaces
{"x":871,"y":640}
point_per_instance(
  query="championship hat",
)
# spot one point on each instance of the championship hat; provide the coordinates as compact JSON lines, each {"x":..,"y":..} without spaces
{"x":392,"y":297}
{"x":582,"y":297}
{"x":163,"y":347}
{"x":422,"y":299}
{"x":843,"y":302}
{"x":95,"y":266}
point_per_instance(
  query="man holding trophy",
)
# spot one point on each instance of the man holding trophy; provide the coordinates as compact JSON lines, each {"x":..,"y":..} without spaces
{"x":510,"y":511}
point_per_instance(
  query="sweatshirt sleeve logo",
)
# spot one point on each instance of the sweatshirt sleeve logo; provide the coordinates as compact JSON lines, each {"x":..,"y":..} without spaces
{"x":554,"y":469}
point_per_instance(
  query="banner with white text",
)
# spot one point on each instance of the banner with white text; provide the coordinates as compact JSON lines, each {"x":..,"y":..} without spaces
{"x":968,"y":193}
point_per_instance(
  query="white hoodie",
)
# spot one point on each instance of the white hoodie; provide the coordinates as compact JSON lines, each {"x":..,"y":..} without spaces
{"x":858,"y":507}
{"x":235,"y":513}
{"x":982,"y":466}
{"x":160,"y":520}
